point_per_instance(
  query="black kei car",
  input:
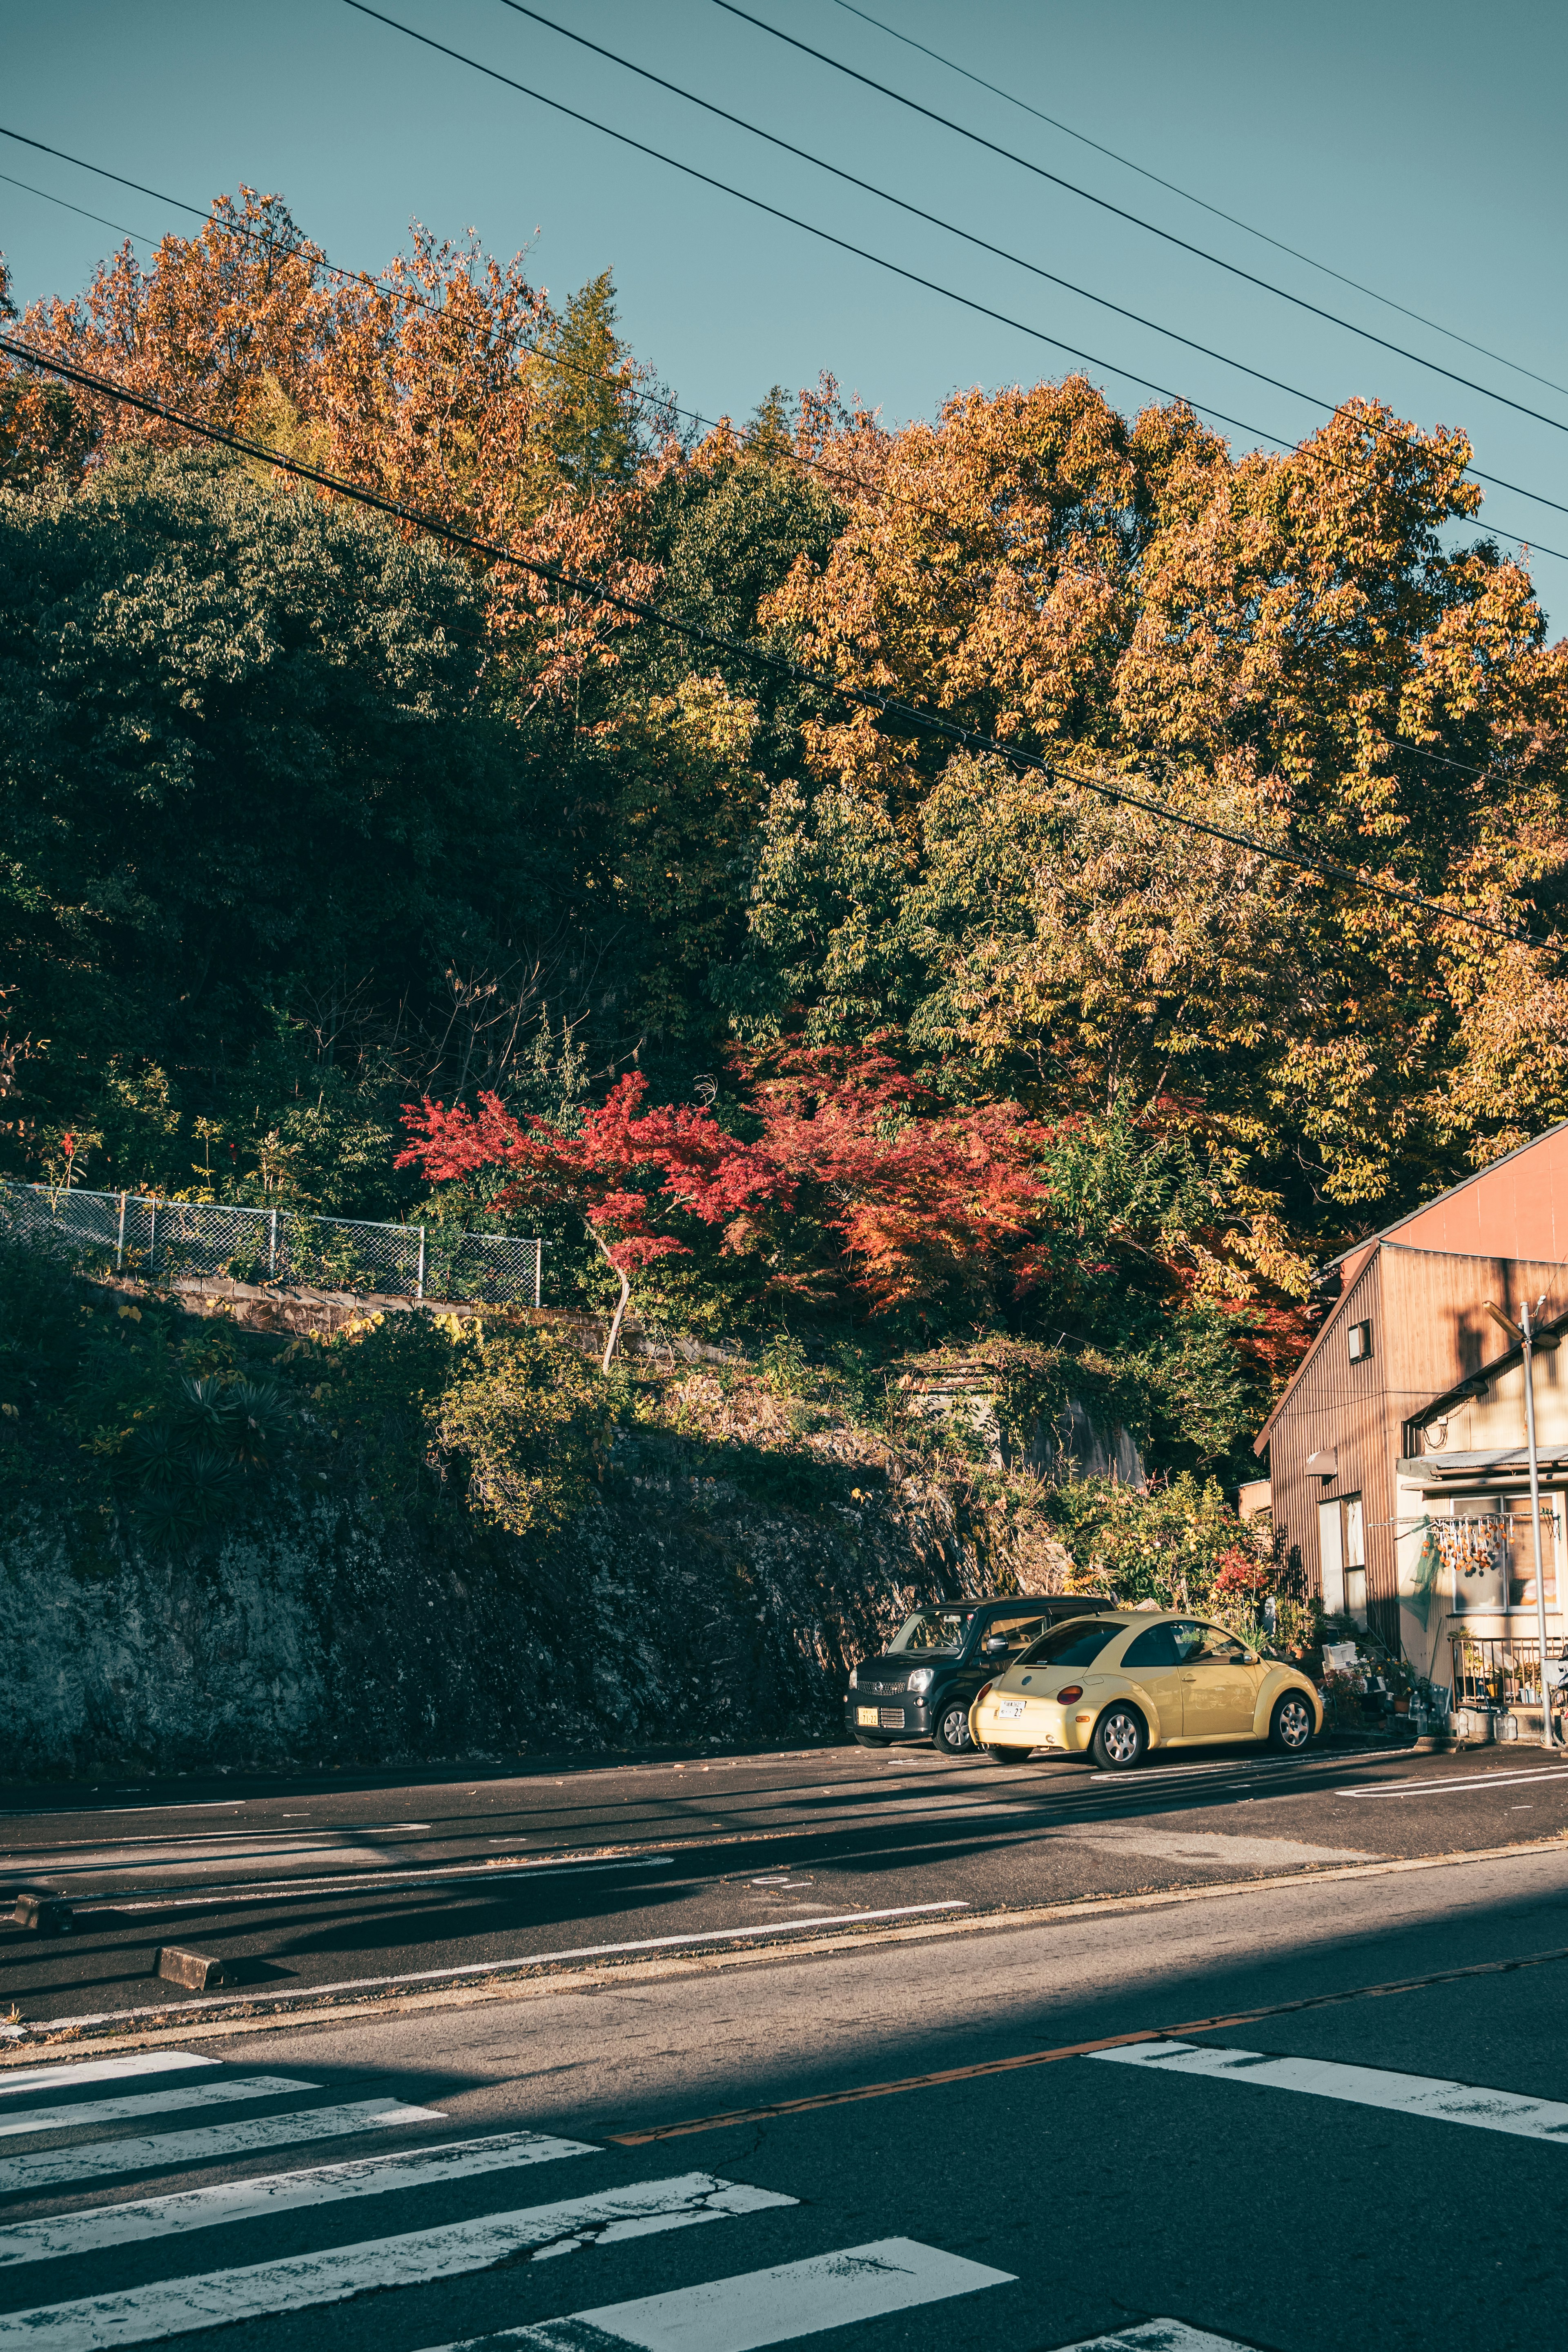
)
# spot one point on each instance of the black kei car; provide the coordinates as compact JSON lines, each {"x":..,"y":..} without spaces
{"x":921,"y":1685}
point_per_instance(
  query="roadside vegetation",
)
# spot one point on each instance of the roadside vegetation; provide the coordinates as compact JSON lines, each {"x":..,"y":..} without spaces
{"x":344,"y":874}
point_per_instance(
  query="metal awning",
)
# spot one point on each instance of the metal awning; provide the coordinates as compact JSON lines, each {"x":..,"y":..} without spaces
{"x":1441,"y":1469}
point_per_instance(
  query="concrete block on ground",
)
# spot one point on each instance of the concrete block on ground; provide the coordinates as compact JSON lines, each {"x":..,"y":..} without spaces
{"x":195,"y":1970}
{"x":49,"y":1915}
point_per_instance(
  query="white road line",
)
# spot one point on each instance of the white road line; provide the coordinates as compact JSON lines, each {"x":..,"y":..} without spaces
{"x":100,"y":2070}
{"x":1159,"y":2335}
{"x":302,"y":2282}
{"x":1212,"y":1848}
{"x":57,"y":2167}
{"x":506,"y":1967}
{"x":150,"y":2103}
{"x":71,"y":2235}
{"x":1363,"y":2086}
{"x":230,"y":1892}
{"x":1446,"y":1788}
{"x":771,"y":2307}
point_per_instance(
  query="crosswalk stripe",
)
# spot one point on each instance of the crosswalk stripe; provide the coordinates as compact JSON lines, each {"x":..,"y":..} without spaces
{"x":1158,"y":2336}
{"x":59,"y":2168}
{"x":299,"y":2282}
{"x":73,"y":2235}
{"x":769,"y":2306}
{"x":99,"y":2070}
{"x":1437,"y":2099}
{"x":150,"y":2103}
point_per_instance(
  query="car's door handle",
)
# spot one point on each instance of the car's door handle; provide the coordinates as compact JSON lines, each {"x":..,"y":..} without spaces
{"x":1189,"y":1679}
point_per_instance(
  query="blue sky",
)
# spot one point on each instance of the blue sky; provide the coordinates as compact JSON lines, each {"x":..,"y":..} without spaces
{"x":1417,"y":148}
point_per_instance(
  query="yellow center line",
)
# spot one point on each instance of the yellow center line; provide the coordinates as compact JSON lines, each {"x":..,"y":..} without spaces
{"x":1069,"y":2049}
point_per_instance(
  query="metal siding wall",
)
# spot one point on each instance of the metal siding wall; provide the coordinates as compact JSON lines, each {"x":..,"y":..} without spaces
{"x":1430,"y":1329}
{"x":1337,"y":1403}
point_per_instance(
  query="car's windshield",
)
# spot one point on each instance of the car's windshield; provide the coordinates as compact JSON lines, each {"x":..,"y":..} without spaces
{"x":1077,"y":1643}
{"x":933,"y":1629}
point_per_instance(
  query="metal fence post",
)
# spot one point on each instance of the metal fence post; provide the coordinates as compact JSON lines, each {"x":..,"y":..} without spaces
{"x":152,"y":1236}
{"x":120,"y":1244}
{"x":538,"y":1269}
{"x":419,"y":1285}
{"x":272,"y":1245}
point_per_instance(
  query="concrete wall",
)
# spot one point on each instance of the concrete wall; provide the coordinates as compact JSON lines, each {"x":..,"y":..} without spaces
{"x":679,"y":1609}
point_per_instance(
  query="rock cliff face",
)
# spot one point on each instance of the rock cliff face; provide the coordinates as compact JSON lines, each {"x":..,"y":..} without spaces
{"x":680,"y":1608}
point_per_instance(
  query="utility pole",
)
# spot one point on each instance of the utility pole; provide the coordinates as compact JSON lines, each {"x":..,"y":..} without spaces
{"x":1523,"y":1331}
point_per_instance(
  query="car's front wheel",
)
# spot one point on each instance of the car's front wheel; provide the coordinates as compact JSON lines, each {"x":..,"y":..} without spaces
{"x":1120,"y":1738}
{"x":1007,"y":1755}
{"x":950,"y":1730}
{"x":1291,"y":1725}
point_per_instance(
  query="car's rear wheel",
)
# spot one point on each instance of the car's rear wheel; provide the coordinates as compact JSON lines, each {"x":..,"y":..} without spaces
{"x":950,"y":1730}
{"x":1007,"y":1755}
{"x":1291,"y":1725}
{"x":1120,"y":1738}
{"x":872,"y":1739}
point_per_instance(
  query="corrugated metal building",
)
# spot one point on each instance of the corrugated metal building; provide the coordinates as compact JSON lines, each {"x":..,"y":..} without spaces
{"x":1360,"y":1456}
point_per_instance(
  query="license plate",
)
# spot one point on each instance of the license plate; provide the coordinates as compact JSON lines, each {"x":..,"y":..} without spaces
{"x":867,"y":1715}
{"x":1010,"y":1707}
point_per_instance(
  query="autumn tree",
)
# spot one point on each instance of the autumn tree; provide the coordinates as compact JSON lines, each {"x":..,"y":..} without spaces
{"x":1287,"y":645}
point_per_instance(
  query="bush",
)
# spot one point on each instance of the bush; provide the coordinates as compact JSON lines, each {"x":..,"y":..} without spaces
{"x":1178,"y":1544}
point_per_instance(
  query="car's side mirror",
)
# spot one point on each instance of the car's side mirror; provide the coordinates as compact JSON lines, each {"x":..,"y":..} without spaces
{"x":997,"y":1642}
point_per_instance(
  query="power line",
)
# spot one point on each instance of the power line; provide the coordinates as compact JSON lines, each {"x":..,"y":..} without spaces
{"x":793,"y":456}
{"x":920,"y":720}
{"x":1137,"y":221}
{"x":361,"y":276}
{"x":228,"y":227}
{"x":103,"y":222}
{"x":1233,"y":220}
{"x":895,"y":268}
{"x":918,"y":212}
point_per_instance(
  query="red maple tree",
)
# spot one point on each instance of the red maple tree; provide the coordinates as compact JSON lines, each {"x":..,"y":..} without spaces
{"x":860,"y":1179}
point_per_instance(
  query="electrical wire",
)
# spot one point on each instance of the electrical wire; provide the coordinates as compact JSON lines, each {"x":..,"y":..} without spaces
{"x":103,"y":222}
{"x":1232,"y":220}
{"x":1151,"y":227}
{"x":880,"y":261}
{"x":918,"y":212}
{"x":794,"y":457}
{"x":361,"y":276}
{"x":910,"y":715}
{"x":228,"y":227}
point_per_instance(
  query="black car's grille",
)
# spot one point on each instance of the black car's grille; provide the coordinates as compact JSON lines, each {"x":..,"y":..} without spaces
{"x":882,"y":1690}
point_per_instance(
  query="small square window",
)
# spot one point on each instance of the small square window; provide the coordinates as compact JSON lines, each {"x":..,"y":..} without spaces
{"x":1361,"y":1342}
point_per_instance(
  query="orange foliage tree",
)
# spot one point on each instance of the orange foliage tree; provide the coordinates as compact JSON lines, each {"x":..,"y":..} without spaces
{"x":1285,"y":645}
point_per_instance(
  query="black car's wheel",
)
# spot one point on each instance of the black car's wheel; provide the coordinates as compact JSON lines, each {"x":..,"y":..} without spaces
{"x":1120,"y":1738}
{"x":950,"y":1729}
{"x":1007,"y":1755}
{"x":872,"y":1739}
{"x":1291,"y":1725}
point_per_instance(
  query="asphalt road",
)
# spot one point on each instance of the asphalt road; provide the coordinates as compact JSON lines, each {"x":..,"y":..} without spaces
{"x":323,"y":1882}
{"x":1324,"y":2113}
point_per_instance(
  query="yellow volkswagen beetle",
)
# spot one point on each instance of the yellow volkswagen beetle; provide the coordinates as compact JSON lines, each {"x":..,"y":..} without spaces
{"x":1113,"y":1687}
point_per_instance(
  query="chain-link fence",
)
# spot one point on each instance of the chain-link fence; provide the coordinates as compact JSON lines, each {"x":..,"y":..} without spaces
{"x":162,"y":1240}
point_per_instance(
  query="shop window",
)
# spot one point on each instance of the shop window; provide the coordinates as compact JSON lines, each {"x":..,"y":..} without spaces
{"x":1361,"y":1342}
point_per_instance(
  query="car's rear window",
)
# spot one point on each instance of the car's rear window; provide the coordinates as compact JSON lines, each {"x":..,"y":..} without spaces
{"x":1077,"y":1643}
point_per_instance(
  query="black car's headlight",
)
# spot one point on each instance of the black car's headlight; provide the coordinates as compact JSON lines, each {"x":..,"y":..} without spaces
{"x":854,"y":1677}
{"x":921,"y":1679}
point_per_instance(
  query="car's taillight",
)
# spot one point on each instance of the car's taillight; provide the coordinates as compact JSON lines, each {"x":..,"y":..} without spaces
{"x":1073,"y":1690}
{"x":983,"y":1692}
